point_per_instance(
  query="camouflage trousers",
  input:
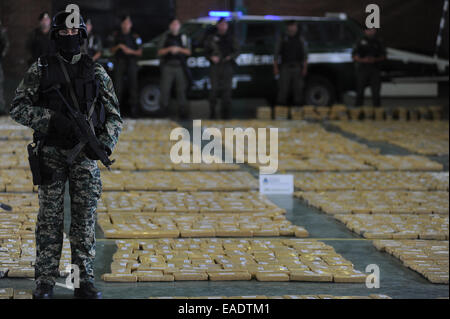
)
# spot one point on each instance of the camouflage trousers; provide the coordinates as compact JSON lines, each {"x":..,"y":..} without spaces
{"x":85,"y":189}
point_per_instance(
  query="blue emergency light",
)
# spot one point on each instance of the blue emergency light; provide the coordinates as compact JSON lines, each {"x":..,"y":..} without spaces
{"x":224,"y":14}
{"x":271,"y":17}
{"x":220,"y":14}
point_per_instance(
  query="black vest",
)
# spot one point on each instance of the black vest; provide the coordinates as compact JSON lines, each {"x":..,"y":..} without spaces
{"x":85,"y":85}
{"x":370,"y":47}
{"x":292,"y":50}
{"x":225,"y":43}
{"x":173,"y":40}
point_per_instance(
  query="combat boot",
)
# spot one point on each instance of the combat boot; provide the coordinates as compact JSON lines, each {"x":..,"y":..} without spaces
{"x":43,"y":291}
{"x":87,"y":291}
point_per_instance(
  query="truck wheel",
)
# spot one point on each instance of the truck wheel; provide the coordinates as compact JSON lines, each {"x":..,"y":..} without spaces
{"x":149,"y":98}
{"x":319,"y":91}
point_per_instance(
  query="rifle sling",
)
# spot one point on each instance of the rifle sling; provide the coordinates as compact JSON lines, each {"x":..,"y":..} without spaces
{"x":73,"y":96}
{"x":79,"y":147}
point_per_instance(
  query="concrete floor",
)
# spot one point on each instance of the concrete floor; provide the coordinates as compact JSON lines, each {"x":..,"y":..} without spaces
{"x":397,"y":281}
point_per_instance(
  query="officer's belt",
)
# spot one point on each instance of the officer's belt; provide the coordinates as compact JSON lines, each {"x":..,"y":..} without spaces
{"x":292,"y":64}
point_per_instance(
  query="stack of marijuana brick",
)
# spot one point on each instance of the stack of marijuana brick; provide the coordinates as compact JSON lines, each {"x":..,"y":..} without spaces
{"x":306,"y":146}
{"x":17,"y":239}
{"x":399,"y":207}
{"x":197,"y":214}
{"x":187,"y":204}
{"x":10,"y":293}
{"x":427,"y":138}
{"x":343,"y":113}
{"x":230,"y":259}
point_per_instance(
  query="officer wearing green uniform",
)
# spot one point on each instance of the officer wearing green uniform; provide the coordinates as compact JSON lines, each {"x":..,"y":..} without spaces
{"x":222,"y":49}
{"x":39,"y":104}
{"x":4,"y":46}
{"x":292,"y":54}
{"x":368,"y":53}
{"x":126,"y":48}
{"x":173,"y":49}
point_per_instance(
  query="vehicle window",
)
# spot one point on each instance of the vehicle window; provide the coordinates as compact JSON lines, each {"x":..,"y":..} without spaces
{"x":338,"y":33}
{"x":195,"y":31}
{"x":260,"y":34}
{"x":311,"y":32}
{"x":330,"y":33}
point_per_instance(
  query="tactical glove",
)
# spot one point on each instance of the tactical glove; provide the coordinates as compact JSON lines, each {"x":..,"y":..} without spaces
{"x":91,"y":154}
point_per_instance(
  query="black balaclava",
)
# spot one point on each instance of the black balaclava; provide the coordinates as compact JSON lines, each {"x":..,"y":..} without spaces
{"x":68,"y":45}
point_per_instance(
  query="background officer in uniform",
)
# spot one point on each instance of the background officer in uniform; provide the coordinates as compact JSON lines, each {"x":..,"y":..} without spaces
{"x":39,"y":42}
{"x":38,"y":105}
{"x":368,"y":53}
{"x":222,"y":49}
{"x":173,"y":49}
{"x":126,"y":48}
{"x":4,"y":46}
{"x":291,"y":51}
{"x":93,"y":44}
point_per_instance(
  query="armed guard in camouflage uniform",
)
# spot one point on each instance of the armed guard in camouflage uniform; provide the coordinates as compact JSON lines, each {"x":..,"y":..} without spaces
{"x":4,"y":45}
{"x":70,"y":103}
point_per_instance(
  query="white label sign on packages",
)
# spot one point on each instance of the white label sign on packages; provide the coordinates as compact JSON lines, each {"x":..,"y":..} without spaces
{"x":276,"y":184}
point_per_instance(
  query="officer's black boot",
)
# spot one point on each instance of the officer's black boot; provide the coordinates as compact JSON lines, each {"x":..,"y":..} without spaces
{"x":87,"y":291}
{"x":43,"y":291}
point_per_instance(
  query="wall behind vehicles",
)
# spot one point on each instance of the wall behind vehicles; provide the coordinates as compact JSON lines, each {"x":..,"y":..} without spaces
{"x":150,"y":18}
{"x":406,"y":24}
{"x":21,"y":16}
{"x":410,"y":25}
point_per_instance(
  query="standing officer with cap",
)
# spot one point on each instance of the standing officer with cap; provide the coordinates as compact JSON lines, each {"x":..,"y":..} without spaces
{"x":291,"y":51}
{"x":4,"y":46}
{"x":93,"y":44}
{"x":39,"y":43}
{"x":368,"y":53}
{"x":44,"y":100}
{"x":222,"y":49}
{"x":173,"y":49}
{"x":127,"y":47}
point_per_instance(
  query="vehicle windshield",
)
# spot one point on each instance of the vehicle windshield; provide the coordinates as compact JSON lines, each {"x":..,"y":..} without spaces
{"x":329,"y":34}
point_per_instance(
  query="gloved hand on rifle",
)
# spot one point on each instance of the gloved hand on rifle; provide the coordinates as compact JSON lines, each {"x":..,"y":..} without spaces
{"x":91,"y":154}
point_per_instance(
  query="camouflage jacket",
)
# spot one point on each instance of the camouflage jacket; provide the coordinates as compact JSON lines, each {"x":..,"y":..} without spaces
{"x":25,"y":111}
